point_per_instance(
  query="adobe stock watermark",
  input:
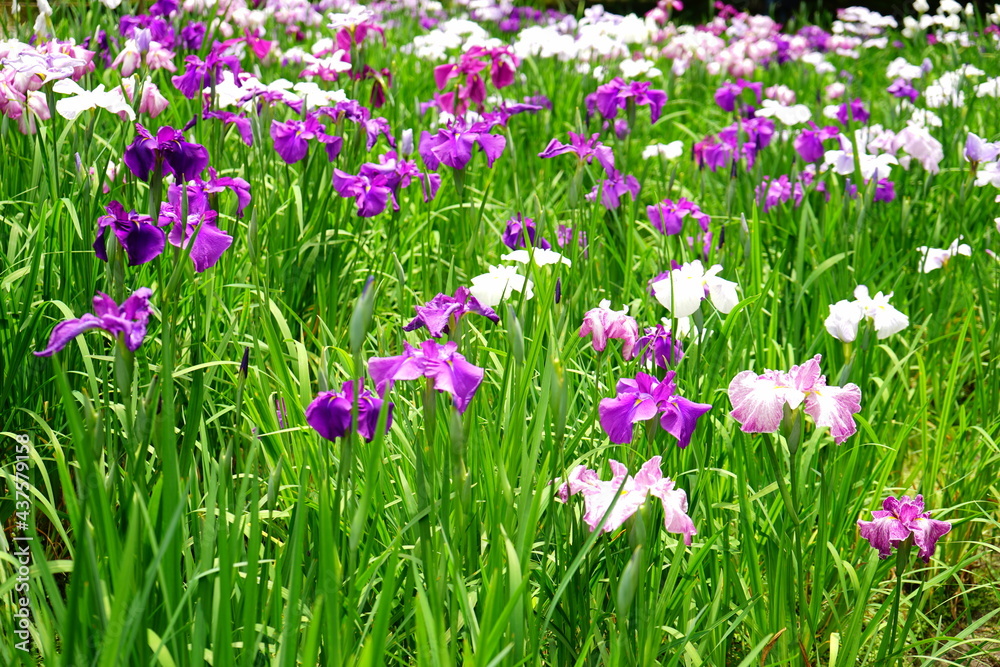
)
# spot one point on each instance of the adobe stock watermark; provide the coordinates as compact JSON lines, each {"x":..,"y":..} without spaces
{"x":21,"y":542}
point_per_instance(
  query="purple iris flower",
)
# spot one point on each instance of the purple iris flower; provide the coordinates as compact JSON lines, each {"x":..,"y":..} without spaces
{"x":241,"y":122}
{"x":809,"y":143}
{"x":612,"y":189}
{"x":668,"y":217}
{"x":520,"y":232}
{"x":127,"y":321}
{"x":453,"y":145}
{"x":979,"y":150}
{"x":192,"y":35}
{"x":143,"y":241}
{"x":775,"y":191}
{"x":377,"y":183}
{"x":565,"y":234}
{"x":210,"y":242}
{"x":897,"y":521}
{"x":885,"y":190}
{"x":200,"y":74}
{"x":330,"y":412}
{"x":659,"y":345}
{"x":167,"y":153}
{"x":903,"y":88}
{"x":587,"y":150}
{"x":442,"y":363}
{"x":615,"y":95}
{"x":443,"y":311}
{"x":855,"y":111}
{"x":644,"y":398}
{"x":291,"y":138}
{"x":726,"y":95}
{"x":216,"y":184}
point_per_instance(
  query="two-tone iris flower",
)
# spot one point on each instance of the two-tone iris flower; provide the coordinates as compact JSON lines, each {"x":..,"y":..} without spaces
{"x":899,"y":520}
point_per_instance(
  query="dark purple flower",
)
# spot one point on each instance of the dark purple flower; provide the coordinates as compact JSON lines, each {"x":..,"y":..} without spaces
{"x":587,"y":150}
{"x":128,"y":321}
{"x":167,"y":153}
{"x":192,"y":35}
{"x":520,"y":233}
{"x":291,"y":138}
{"x":142,"y":240}
{"x":644,"y":398}
{"x":726,"y":95}
{"x":377,"y":183}
{"x":330,"y":412}
{"x":442,"y":311}
{"x":885,"y":190}
{"x":668,"y":217}
{"x":659,"y":345}
{"x":442,"y":363}
{"x":897,"y":521}
{"x":855,"y":111}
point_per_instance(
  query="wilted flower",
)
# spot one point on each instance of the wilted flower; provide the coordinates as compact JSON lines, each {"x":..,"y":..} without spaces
{"x":935,"y":258}
{"x":126,"y":322}
{"x":759,"y":400}
{"x":897,"y":521}
{"x":330,"y":412}
{"x":845,"y":316}
{"x":630,"y":494}
{"x":682,"y":289}
{"x":644,"y":398}
{"x":604,"y":323}
{"x":441,"y":312}
{"x":442,"y":363}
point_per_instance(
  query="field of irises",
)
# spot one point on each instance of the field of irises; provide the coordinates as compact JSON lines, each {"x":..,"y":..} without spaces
{"x":415,"y":333}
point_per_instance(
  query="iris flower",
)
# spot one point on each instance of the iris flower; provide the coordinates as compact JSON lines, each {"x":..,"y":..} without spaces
{"x":897,"y":521}
{"x":935,"y":258}
{"x":631,"y":493}
{"x":682,"y":290}
{"x":166,"y":153}
{"x":845,"y":316}
{"x":759,"y":400}
{"x":330,"y":413}
{"x":603,"y":323}
{"x":441,"y":312}
{"x":644,"y":398}
{"x":126,"y":322}
{"x":442,"y":363}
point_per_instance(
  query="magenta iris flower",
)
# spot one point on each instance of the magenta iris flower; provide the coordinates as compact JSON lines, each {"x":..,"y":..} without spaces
{"x":616,"y":94}
{"x":855,"y":111}
{"x":378,"y":183}
{"x":442,"y":363}
{"x":897,"y":521}
{"x":759,"y":400}
{"x":126,"y":322}
{"x":520,"y":232}
{"x":587,"y":150}
{"x":330,"y":413}
{"x":441,"y":313}
{"x":602,"y":323}
{"x":613,"y":187}
{"x":644,"y":398}
{"x":668,"y":217}
{"x":452,"y":145}
{"x":630,"y":493}
{"x":809,"y":143}
{"x":291,"y":138}
{"x":903,"y":88}
{"x":659,"y":345}
{"x":726,"y":95}
{"x":166,"y":153}
{"x":200,"y":74}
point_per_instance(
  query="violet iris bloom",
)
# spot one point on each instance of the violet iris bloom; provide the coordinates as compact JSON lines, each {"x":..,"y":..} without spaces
{"x":604,"y":323}
{"x":897,"y":521}
{"x":167,"y":153}
{"x":668,"y":217}
{"x":143,"y":241}
{"x":200,"y":74}
{"x":759,"y":400}
{"x":979,"y":150}
{"x":644,"y":398}
{"x":291,"y":138}
{"x":210,"y":242}
{"x":615,"y":95}
{"x":453,"y":145}
{"x":628,"y":494}
{"x":442,"y":312}
{"x":612,"y":189}
{"x":809,"y":143}
{"x":330,"y":412}
{"x":376,"y":184}
{"x":587,"y":150}
{"x":126,"y":322}
{"x":442,"y":363}
{"x":726,"y":95}
{"x":903,"y":88}
{"x":520,"y":232}
{"x":659,"y":345}
{"x":855,"y":111}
